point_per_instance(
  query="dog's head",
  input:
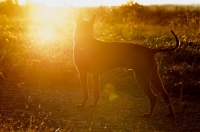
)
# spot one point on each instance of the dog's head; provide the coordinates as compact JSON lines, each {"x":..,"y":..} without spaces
{"x":84,"y":29}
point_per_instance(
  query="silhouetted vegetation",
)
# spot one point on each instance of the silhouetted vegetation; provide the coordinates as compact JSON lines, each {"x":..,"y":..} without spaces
{"x":36,"y":44}
{"x":130,"y":22}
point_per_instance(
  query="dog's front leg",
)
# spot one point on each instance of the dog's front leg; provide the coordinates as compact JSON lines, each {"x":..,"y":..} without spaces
{"x":83,"y":79}
{"x":97,"y":97}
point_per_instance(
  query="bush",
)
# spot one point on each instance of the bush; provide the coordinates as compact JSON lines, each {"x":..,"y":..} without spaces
{"x":28,"y":54}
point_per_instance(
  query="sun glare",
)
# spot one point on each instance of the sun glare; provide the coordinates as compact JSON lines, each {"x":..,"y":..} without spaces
{"x":45,"y":24}
{"x":75,"y":3}
{"x":47,"y":18}
{"x":51,"y":3}
{"x":44,"y":35}
{"x":22,"y":2}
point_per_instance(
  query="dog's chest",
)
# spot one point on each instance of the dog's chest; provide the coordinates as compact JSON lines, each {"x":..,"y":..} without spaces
{"x":84,"y":52}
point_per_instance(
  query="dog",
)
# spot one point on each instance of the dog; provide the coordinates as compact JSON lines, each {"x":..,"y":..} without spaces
{"x":97,"y":57}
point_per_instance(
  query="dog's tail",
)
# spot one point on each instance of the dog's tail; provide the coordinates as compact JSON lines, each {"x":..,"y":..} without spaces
{"x":172,"y":49}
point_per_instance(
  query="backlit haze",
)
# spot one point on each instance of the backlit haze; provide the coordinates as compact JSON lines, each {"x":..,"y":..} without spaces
{"x":48,"y":17}
{"x":75,"y":3}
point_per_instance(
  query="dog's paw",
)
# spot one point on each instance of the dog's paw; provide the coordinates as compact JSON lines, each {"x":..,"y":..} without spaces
{"x":146,"y":115}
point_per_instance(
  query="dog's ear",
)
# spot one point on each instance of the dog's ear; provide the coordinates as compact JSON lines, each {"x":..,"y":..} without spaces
{"x":92,"y":20}
{"x":80,"y":17}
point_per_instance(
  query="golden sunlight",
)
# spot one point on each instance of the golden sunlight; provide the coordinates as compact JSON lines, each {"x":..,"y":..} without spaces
{"x":45,"y":35}
{"x":53,"y":3}
{"x":46,"y":19}
{"x":22,"y":2}
{"x":66,"y":3}
{"x":45,"y":23}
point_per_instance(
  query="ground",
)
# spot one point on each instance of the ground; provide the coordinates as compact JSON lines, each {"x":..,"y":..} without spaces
{"x":35,"y":108}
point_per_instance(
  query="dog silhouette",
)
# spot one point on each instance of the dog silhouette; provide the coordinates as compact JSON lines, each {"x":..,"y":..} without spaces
{"x":97,"y":57}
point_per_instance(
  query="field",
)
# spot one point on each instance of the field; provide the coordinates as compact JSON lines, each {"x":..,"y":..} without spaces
{"x":40,"y":84}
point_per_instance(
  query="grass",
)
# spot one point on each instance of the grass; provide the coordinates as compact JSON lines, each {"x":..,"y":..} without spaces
{"x":40,"y":84}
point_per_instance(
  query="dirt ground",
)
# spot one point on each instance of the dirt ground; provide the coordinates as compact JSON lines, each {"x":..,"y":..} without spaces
{"x":50,"y":108}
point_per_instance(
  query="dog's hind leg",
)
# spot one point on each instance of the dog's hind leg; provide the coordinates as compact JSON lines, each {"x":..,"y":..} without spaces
{"x":144,"y":83}
{"x":83,"y":79}
{"x":156,"y":82}
{"x":97,"y":97}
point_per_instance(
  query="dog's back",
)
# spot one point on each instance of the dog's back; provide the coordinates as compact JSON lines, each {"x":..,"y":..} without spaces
{"x":97,"y":57}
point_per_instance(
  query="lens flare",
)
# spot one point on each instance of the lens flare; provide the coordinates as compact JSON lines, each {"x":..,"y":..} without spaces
{"x":109,"y":91}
